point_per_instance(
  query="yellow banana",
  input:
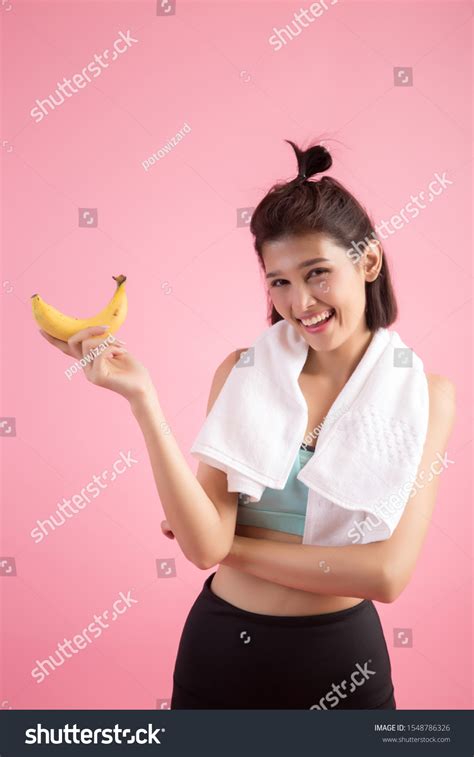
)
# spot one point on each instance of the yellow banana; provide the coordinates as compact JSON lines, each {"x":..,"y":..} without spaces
{"x":63,"y":326}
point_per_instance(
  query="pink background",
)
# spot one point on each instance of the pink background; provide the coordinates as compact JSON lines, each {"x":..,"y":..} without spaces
{"x":173,"y":232}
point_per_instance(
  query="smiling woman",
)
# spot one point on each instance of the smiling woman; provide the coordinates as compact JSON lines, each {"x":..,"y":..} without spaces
{"x":292,"y":600}
{"x":297,"y":219}
{"x":273,"y":598}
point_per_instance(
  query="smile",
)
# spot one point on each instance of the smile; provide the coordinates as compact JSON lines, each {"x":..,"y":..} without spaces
{"x":317,"y":323}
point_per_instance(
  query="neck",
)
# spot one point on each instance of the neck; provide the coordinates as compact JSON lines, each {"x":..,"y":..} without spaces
{"x":337,"y":366}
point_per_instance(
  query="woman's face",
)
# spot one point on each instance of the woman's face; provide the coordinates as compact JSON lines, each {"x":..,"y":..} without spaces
{"x":310,"y":274}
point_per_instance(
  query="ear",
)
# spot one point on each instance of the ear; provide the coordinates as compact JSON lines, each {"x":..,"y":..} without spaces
{"x":371,"y":260}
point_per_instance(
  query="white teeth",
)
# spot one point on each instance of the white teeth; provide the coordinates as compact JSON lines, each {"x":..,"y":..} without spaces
{"x":317,"y":318}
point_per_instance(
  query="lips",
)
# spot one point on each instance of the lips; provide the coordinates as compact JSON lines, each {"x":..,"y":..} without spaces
{"x":320,"y":326}
{"x":308,"y":317}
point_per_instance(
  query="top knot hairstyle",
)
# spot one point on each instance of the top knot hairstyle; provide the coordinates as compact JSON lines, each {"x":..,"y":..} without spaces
{"x":324,"y":206}
{"x":312,"y":161}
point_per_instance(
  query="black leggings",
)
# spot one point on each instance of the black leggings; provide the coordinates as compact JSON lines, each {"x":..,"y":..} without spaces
{"x":230,"y":658}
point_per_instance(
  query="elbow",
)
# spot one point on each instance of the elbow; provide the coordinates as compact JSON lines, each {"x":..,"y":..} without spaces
{"x":216,"y":551}
{"x":390,"y":585}
{"x":209,"y":553}
{"x":206,"y":563}
{"x":198,"y":559}
{"x":201,"y":560}
{"x":210,"y":559}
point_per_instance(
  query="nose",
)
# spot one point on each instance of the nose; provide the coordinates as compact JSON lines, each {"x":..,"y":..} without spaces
{"x":303,"y":299}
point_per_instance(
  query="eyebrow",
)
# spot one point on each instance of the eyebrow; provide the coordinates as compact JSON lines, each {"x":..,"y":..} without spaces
{"x":301,"y":265}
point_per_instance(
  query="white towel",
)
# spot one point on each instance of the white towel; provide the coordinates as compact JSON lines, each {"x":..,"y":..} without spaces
{"x":368,"y":449}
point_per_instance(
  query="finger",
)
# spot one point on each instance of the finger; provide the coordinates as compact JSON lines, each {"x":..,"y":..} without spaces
{"x":95,"y":369}
{"x":89,"y":344}
{"x":75,"y":341}
{"x":63,"y":346}
{"x":114,"y":351}
{"x":86,"y":346}
{"x":113,"y":339}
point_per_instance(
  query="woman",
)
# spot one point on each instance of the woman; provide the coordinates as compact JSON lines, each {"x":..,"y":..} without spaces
{"x":281,"y":624}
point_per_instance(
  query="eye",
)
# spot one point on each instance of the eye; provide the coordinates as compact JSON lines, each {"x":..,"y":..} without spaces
{"x":319,"y":270}
{"x":314,"y":270}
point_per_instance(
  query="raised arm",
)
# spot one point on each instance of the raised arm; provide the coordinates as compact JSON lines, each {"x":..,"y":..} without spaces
{"x":199,"y":509}
{"x":378,"y":570}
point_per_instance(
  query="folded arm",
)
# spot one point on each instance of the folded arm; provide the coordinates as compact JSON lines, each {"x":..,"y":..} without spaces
{"x":378,"y":570}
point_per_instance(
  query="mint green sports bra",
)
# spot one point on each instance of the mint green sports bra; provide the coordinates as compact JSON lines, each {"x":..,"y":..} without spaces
{"x":280,"y":509}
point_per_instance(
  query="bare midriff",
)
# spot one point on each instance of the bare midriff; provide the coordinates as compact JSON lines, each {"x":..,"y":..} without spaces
{"x":255,"y":594}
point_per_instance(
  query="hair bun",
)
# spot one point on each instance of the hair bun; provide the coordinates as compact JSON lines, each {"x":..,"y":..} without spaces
{"x":311,"y":161}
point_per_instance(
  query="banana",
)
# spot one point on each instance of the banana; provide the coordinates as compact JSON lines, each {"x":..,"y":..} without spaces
{"x":62,"y":326}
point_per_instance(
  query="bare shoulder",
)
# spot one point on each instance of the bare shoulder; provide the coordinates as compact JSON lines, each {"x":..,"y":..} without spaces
{"x":221,"y":374}
{"x":442,"y":396}
{"x":224,"y":368}
{"x":442,"y":388}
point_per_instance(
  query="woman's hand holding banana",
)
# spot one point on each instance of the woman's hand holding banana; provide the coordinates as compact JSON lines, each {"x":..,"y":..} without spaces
{"x":114,"y":368}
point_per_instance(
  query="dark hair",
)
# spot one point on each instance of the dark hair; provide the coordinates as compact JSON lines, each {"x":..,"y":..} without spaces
{"x":324,"y":206}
